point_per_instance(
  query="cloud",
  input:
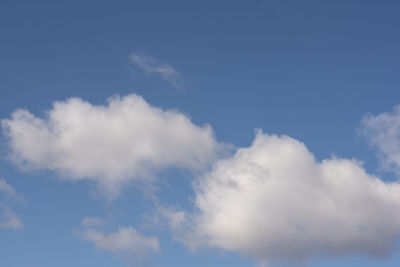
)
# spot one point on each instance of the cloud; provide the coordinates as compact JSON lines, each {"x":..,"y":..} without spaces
{"x":92,"y":221}
{"x":126,"y":241}
{"x":274,"y":201}
{"x":152,"y":67}
{"x":9,"y":219}
{"x":173,"y":217}
{"x":126,"y":140}
{"x":10,"y":191}
{"x":383,"y":133}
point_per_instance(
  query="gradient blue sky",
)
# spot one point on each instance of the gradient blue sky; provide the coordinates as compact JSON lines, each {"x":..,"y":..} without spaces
{"x":307,"y":69}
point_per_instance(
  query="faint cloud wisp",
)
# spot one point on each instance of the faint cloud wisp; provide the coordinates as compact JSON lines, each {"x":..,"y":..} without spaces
{"x":126,"y":241}
{"x":8,"y":218}
{"x":150,"y":66}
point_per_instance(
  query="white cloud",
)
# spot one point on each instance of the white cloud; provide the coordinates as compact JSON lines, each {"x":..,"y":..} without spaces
{"x":151,"y":66}
{"x":9,"y":219}
{"x":125,"y":241}
{"x":383,"y":132}
{"x":274,"y":201}
{"x":126,"y":140}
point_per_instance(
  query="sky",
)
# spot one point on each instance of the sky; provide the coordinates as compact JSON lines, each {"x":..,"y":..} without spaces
{"x":199,"y":133}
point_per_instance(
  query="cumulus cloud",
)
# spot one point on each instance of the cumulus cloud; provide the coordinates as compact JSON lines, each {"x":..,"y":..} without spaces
{"x":274,"y":201}
{"x":152,"y":67}
{"x":383,"y":133}
{"x":126,"y":140}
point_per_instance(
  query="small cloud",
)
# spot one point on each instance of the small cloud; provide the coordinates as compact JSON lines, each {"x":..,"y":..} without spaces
{"x":92,"y":221}
{"x":9,"y":191}
{"x":172,"y":217}
{"x":383,"y":133}
{"x":126,"y":241}
{"x":9,"y":219}
{"x":152,"y":67}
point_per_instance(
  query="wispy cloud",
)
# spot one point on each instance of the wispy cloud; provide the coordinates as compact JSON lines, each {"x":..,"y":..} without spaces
{"x":92,"y":221}
{"x":10,"y":192}
{"x":126,"y":241}
{"x":150,"y":66}
{"x":383,"y":132}
{"x":8,"y":219}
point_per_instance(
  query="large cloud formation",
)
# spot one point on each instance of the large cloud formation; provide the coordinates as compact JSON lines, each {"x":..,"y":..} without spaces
{"x":274,"y":201}
{"x":383,"y":132}
{"x":126,"y":140}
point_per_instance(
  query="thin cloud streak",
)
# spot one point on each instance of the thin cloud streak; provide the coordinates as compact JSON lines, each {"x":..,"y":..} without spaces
{"x":150,"y":66}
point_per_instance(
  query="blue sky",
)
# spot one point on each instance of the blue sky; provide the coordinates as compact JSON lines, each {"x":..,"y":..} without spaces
{"x":199,"y":133}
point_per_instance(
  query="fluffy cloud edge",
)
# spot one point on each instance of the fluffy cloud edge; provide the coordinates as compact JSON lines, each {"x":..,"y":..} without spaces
{"x":125,"y":140}
{"x":273,"y":201}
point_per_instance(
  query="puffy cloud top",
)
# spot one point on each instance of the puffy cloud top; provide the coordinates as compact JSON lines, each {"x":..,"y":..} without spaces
{"x":126,"y":140}
{"x":273,"y":201}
